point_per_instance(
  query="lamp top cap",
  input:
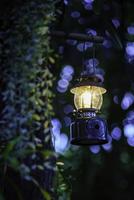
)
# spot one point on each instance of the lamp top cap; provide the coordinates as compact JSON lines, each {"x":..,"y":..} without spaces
{"x":92,"y":80}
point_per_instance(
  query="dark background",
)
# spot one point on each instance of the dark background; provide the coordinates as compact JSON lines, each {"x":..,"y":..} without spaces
{"x":107,"y":173}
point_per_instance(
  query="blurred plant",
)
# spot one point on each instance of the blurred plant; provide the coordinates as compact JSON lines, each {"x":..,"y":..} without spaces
{"x":26,"y":92}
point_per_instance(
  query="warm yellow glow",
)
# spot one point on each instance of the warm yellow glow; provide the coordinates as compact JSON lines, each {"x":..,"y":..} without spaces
{"x":88,"y":97}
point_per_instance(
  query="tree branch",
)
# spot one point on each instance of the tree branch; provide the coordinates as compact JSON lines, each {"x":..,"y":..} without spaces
{"x":77,"y":36}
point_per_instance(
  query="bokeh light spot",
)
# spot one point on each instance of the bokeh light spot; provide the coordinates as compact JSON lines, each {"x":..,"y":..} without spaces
{"x":61,"y":90}
{"x":91,"y":32}
{"x":130,"y":141}
{"x":107,"y":44}
{"x":67,"y":121}
{"x":129,"y":130}
{"x":93,"y":62}
{"x":56,"y":123}
{"x":88,"y":1}
{"x":95,"y":149}
{"x":68,"y":69}
{"x":116,"y":22}
{"x":63,"y":83}
{"x":68,"y":109}
{"x":61,"y":143}
{"x":72,"y":42}
{"x":75,"y":14}
{"x":88,"y":6}
{"x":130,"y":30}
{"x":116,"y":99}
{"x":130,"y":48}
{"x":127,"y":100}
{"x":116,"y":133}
{"x":107,"y":147}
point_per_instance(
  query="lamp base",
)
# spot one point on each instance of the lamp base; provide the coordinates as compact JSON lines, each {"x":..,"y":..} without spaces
{"x":92,"y":131}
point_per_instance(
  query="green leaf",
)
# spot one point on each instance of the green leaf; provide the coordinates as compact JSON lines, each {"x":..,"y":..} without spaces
{"x":36,"y":117}
{"x":45,"y":194}
{"x":51,"y":60}
{"x":40,"y":167}
{"x":47,"y":153}
{"x":46,"y":124}
{"x":14,"y":163}
{"x":43,"y":30}
{"x":60,"y":163}
{"x":10,"y":146}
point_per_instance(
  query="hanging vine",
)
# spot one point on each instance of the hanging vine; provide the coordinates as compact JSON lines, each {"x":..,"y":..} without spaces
{"x":26,"y":89}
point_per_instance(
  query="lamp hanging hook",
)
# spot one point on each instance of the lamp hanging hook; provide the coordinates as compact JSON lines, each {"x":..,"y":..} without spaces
{"x":85,"y":70}
{"x":94,"y":67}
{"x":83,"y":56}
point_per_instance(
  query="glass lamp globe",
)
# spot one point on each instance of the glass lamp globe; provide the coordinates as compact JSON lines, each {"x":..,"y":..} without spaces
{"x":88,"y":97}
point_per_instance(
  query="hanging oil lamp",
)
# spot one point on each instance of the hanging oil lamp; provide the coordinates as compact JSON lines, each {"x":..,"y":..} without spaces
{"x":87,"y":127}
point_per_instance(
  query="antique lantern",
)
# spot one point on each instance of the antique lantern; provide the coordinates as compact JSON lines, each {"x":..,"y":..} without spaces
{"x":87,"y":128}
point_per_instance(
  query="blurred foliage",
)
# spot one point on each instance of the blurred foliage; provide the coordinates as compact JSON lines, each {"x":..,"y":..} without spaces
{"x":26,"y":93}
